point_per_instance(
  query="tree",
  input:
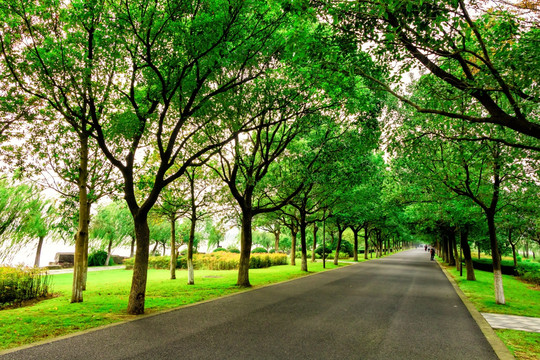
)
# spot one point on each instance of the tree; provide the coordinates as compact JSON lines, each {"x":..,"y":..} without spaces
{"x":470,"y":49}
{"x":109,"y":228}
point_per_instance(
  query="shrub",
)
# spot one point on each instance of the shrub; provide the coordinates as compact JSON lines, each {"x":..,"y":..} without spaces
{"x":259,"y":250}
{"x":219,"y":249}
{"x":272,"y":251}
{"x":214,"y":261}
{"x":298,"y":254}
{"x":529,"y":272}
{"x":346,"y":247}
{"x":20,"y":284}
{"x":233,"y":250}
{"x":319,"y":250}
{"x":98,"y":258}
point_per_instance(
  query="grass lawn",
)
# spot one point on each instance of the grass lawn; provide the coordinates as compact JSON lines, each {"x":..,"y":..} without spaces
{"x":521,"y":299}
{"x":106,"y":297}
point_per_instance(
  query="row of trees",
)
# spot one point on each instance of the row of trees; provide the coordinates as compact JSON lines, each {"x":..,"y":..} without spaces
{"x":269,"y":110}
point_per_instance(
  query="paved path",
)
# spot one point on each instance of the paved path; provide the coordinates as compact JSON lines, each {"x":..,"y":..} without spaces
{"x":398,"y":307}
{"x":523,"y":323}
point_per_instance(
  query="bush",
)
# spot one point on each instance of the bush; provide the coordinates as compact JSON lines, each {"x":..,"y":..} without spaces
{"x":233,"y":250}
{"x":272,"y":251}
{"x":98,"y":258}
{"x":259,"y":250}
{"x":529,"y":272}
{"x":319,"y":250}
{"x":219,"y":249}
{"x":346,"y":247}
{"x":20,"y":284}
{"x":215,"y":261}
{"x":507,"y":266}
{"x":298,"y":254}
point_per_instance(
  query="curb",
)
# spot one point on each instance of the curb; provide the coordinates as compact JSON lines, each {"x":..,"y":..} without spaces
{"x":496,"y":343}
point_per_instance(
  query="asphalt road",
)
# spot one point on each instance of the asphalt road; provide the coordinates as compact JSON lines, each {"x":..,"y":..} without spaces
{"x":398,"y":307}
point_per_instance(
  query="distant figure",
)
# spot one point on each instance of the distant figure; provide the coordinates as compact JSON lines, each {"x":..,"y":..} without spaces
{"x":425,"y":247}
{"x":432,"y":251}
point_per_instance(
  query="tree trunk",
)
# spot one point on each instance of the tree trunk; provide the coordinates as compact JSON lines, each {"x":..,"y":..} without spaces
{"x":513,"y":245}
{"x":277,"y":233}
{"x":303,"y":243}
{"x":38,"y":251}
{"x":497,"y":272}
{"x":85,"y":253}
{"x":155,"y":247}
{"x":172,"y":265}
{"x":140,"y":267}
{"x":453,"y":241}
{"x":338,"y":246}
{"x":191,"y":240}
{"x":355,"y":250}
{"x":82,"y":231}
{"x":366,"y":243}
{"x":293,"y":247}
{"x":132,"y":250}
{"x":109,"y":249}
{"x":246,"y":240}
{"x":315,"y":229}
{"x":467,"y":254}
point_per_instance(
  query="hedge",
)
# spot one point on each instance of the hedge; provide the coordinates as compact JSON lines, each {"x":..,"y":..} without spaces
{"x":18,"y":284}
{"x":215,"y":261}
{"x":529,"y":271}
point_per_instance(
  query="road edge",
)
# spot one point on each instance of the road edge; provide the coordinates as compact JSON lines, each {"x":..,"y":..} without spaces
{"x":496,"y":343}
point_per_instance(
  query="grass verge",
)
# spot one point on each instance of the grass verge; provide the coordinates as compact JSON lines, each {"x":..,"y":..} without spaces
{"x":521,"y":299}
{"x":105,"y":300}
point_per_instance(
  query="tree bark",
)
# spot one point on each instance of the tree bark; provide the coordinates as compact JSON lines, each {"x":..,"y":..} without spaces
{"x":467,"y":254}
{"x":355,"y":233}
{"x":315,"y":229}
{"x":277,"y":233}
{"x":85,"y":253}
{"x":38,"y":251}
{"x":191,"y":241}
{"x":496,"y":258}
{"x":82,"y":231}
{"x":366,"y":243}
{"x":246,"y":241}
{"x":453,"y":241}
{"x":140,"y":267}
{"x":303,"y":243}
{"x":172,"y":265}
{"x":132,"y":250}
{"x":293,"y":247}
{"x":513,"y":245}
{"x":109,"y":249}
{"x":338,"y":246}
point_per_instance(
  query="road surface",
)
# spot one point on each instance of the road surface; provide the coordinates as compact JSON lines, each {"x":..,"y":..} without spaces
{"x":398,"y":307}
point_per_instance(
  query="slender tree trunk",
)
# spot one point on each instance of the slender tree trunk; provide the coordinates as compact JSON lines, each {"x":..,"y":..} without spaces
{"x":293,"y":247}
{"x":172,"y":265}
{"x":464,"y":237}
{"x":478,"y":251}
{"x":277,"y":233}
{"x":246,"y":241}
{"x":455,"y":254}
{"x":366,"y":243}
{"x":497,"y":272}
{"x":315,"y":229}
{"x":303,"y":243}
{"x":513,"y":245}
{"x":109,"y":249}
{"x":355,"y":250}
{"x":82,"y":232}
{"x":38,"y":251}
{"x":132,"y":250}
{"x":338,"y":246}
{"x":191,"y":241}
{"x":140,"y":267}
{"x":85,"y":253}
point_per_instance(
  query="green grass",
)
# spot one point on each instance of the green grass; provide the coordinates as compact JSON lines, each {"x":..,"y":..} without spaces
{"x":521,"y":299}
{"x":106,"y":297}
{"x":524,"y":345}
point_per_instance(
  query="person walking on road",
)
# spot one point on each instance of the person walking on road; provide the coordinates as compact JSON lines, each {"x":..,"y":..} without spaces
{"x":432,"y":252}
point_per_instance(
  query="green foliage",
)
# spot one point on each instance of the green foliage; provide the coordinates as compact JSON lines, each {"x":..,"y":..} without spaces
{"x":20,"y":284}
{"x":233,"y":250}
{"x":221,"y":249}
{"x":221,"y":260}
{"x":529,"y":271}
{"x":319,"y":250}
{"x":98,"y":258}
{"x":259,"y":250}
